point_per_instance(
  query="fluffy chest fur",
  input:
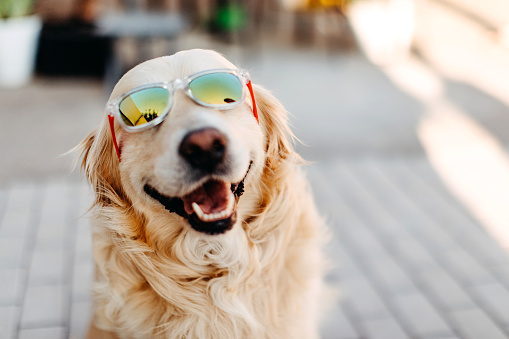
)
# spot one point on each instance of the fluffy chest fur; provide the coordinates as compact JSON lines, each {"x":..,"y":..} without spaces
{"x":251,"y":285}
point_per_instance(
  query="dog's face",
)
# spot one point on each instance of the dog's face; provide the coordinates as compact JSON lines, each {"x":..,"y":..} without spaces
{"x":195,"y":162}
{"x":193,"y":167}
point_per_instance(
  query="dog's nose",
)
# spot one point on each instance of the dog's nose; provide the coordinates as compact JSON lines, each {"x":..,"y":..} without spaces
{"x":204,"y":148}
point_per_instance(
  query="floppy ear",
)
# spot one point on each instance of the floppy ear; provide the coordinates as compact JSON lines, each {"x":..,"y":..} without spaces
{"x":274,"y":123}
{"x":100,"y":164}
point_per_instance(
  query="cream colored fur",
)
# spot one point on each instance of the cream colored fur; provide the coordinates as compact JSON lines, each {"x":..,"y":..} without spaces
{"x":158,"y":278}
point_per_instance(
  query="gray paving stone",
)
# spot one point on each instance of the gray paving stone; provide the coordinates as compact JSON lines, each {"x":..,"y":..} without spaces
{"x":444,"y":290}
{"x":439,"y":193}
{"x":502,"y":273}
{"x":390,"y":276}
{"x":363,"y":299}
{"x":341,"y":262}
{"x":495,"y":299}
{"x":420,"y":316}
{"x":475,"y":324}
{"x":82,"y":282}
{"x":45,"y":306}
{"x":9,"y":317}
{"x":386,"y":328}
{"x":12,"y":253}
{"x":365,"y":243}
{"x":486,"y":250}
{"x":363,"y":203}
{"x":83,"y":246}
{"x":430,"y":233}
{"x":400,"y":208}
{"x":335,"y":325}
{"x":18,"y":212}
{"x":81,"y":313}
{"x":54,"y":218}
{"x":43,"y":333}
{"x":12,"y":283}
{"x":466,"y":268}
{"x":326,"y":198}
{"x":447,"y":212}
{"x":406,"y":211}
{"x":4,"y":194}
{"x":48,"y":267}
{"x":412,"y":253}
{"x":422,"y":185}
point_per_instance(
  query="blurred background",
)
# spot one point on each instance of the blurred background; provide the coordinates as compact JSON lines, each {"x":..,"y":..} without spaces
{"x":376,"y":82}
{"x":360,"y":77}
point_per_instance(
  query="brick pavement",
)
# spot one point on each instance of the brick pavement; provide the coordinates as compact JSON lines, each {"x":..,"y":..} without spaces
{"x":409,"y":261}
{"x":45,"y":260}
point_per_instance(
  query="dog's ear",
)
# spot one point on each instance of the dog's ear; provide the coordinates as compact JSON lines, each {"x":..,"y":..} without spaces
{"x":100,"y":163}
{"x":274,"y":123}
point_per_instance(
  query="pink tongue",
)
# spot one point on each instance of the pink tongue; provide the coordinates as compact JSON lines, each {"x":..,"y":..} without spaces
{"x":212,"y":197}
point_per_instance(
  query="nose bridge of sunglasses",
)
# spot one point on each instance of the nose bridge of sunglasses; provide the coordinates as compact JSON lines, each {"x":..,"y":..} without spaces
{"x":178,"y":84}
{"x":181,"y":92}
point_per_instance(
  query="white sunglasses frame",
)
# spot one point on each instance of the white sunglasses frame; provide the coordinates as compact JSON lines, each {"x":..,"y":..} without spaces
{"x":113,"y":106}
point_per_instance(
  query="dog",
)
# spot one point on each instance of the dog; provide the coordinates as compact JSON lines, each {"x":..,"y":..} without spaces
{"x":203,"y":224}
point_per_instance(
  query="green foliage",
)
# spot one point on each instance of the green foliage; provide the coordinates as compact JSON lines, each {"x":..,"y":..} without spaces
{"x":231,"y":17}
{"x":15,"y":8}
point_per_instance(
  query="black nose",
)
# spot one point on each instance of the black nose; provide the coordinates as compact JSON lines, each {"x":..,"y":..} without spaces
{"x":204,"y":148}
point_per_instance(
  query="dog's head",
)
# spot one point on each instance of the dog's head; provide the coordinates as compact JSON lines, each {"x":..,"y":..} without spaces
{"x":192,"y":168}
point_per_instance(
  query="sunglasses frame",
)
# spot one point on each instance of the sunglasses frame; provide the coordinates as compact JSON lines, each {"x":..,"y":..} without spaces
{"x":113,"y":106}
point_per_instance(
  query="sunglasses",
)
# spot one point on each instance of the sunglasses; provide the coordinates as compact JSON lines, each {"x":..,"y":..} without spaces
{"x":147,"y":106}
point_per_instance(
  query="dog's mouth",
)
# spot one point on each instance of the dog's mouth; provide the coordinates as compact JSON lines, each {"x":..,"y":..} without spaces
{"x":210,"y":208}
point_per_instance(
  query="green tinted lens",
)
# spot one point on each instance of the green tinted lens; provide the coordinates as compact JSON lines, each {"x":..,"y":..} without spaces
{"x":147,"y":104}
{"x":217,"y":88}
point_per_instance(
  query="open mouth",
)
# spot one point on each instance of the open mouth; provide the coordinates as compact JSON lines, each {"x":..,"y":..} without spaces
{"x":210,"y":209}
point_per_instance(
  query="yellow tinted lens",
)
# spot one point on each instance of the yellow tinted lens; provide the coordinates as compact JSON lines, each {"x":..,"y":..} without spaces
{"x":217,"y":88}
{"x":143,"y":106}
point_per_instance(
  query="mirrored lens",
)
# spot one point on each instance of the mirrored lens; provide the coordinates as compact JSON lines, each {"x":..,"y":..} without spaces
{"x":143,"y":106}
{"x":217,"y":88}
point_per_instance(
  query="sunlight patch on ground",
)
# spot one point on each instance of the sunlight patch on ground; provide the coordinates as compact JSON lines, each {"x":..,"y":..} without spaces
{"x":470,"y":161}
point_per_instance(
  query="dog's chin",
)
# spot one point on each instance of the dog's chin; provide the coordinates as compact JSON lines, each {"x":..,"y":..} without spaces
{"x":210,"y":208}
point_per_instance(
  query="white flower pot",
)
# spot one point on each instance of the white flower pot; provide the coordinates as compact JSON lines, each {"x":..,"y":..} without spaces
{"x":18,"y":45}
{"x":384,"y":29}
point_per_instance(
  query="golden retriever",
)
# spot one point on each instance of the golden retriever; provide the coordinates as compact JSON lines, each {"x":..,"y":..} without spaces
{"x":253,"y":269}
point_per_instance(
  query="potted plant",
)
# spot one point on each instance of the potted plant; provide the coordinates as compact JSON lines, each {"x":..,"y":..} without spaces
{"x":19,"y":35}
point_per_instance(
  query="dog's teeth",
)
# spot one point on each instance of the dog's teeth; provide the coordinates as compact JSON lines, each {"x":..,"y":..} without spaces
{"x":197,"y":210}
{"x":214,"y":216}
{"x":231,"y":202}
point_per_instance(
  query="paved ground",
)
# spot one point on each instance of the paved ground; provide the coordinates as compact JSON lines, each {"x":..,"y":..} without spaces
{"x":414,"y":256}
{"x":45,"y":260}
{"x":409,"y":260}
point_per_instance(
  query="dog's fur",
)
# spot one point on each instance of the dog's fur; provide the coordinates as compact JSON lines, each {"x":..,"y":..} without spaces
{"x":157,"y":277}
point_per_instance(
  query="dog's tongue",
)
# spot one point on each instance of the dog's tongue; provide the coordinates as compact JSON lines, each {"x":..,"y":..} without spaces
{"x":212,"y":197}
